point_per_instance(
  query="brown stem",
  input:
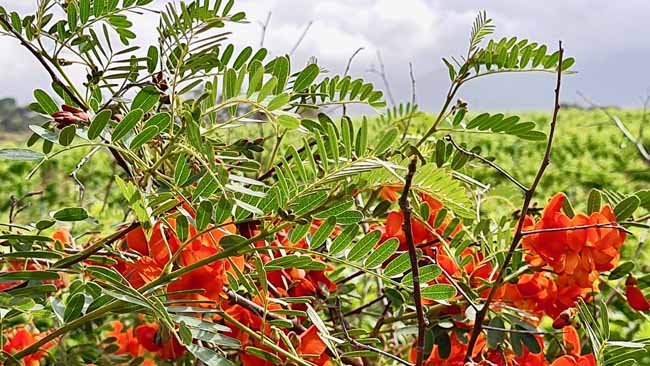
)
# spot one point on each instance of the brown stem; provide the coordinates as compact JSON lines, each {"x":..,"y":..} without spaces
{"x":480,"y":316}
{"x":610,"y":225}
{"x":413,"y":255}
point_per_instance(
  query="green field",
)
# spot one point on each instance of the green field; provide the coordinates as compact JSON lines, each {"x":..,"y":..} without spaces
{"x":589,"y":151}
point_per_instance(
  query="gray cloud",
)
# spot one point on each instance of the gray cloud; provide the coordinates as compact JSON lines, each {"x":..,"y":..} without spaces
{"x":607,"y":38}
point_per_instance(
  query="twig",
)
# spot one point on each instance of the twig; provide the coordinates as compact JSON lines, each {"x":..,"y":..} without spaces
{"x":621,"y":126}
{"x":408,"y":121}
{"x":264,"y":26}
{"x":382,"y":74}
{"x":486,"y":161}
{"x":257,"y":309}
{"x":41,"y":59}
{"x":347,"y":69}
{"x":302,"y":36}
{"x":359,"y":345}
{"x":73,"y":174}
{"x":480,"y":316}
{"x":14,"y":206}
{"x":413,"y":255}
{"x":522,"y":331}
{"x":609,"y":225}
{"x":96,"y":247}
{"x":364,"y":306}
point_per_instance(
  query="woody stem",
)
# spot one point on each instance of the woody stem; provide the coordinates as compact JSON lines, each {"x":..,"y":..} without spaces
{"x":480,"y":316}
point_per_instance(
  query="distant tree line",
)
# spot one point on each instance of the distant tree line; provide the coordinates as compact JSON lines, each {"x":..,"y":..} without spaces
{"x":14,"y":118}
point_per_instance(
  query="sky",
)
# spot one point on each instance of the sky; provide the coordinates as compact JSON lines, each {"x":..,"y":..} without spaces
{"x":607,"y":38}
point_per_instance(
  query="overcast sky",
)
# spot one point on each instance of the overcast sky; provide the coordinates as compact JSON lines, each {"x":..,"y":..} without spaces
{"x":609,"y":40}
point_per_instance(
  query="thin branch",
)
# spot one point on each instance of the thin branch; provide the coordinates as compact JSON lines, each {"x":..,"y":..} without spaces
{"x":382,"y":74}
{"x":364,"y":306}
{"x":609,"y":225}
{"x":486,"y":161}
{"x":480,"y":316}
{"x":521,"y":331}
{"x":264,"y":26}
{"x":347,"y":69}
{"x":408,"y":121}
{"x":259,"y":310}
{"x":82,"y":162}
{"x":413,"y":255}
{"x":41,"y":59}
{"x":621,"y":126}
{"x":359,"y":345}
{"x":96,"y":247}
{"x":302,"y":36}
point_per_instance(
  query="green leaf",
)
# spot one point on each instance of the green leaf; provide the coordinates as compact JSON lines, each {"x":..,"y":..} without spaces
{"x":20,"y":154}
{"x":46,"y":102}
{"x":288,"y":121}
{"x":427,"y":273}
{"x":278,"y":102}
{"x":84,"y":10}
{"x":181,"y":170}
{"x":28,"y":276}
{"x":73,"y":307}
{"x":626,"y":208}
{"x":496,"y":337}
{"x":71,"y":214}
{"x":593,"y":201}
{"x":323,"y":232}
{"x":349,"y":217}
{"x":438,"y":292}
{"x":67,"y":135}
{"x":146,"y":99}
{"x":99,"y":123}
{"x":144,"y":137}
{"x":299,"y":232}
{"x":364,"y":246}
{"x":127,"y":124}
{"x":343,"y":240}
{"x":152,"y":59}
{"x":204,"y":214}
{"x":398,"y":266}
{"x":161,"y":120}
{"x":306,"y":77}
{"x":208,"y":356}
{"x":387,"y":139}
{"x":260,"y":353}
{"x":621,"y":270}
{"x":382,"y":253}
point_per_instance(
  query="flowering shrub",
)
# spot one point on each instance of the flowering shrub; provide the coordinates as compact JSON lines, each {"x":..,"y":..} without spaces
{"x":262,"y":231}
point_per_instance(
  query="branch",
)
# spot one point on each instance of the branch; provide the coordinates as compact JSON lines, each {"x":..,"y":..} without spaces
{"x":382,"y":74}
{"x":486,"y":161}
{"x":413,"y":254}
{"x":480,"y":316}
{"x":302,"y":36}
{"x":609,"y":225}
{"x":264,"y":26}
{"x":73,"y":174}
{"x":408,"y":121}
{"x":94,"y":248}
{"x":259,"y":310}
{"x":41,"y":59}
{"x":347,"y":69}
{"x":360,"y":345}
{"x":636,"y":141}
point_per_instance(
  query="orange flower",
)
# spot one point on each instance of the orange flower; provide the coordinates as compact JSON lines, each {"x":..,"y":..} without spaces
{"x":163,"y":345}
{"x":635,"y":296}
{"x":312,"y":344}
{"x":63,"y":236}
{"x":126,"y":341}
{"x":573,"y":348}
{"x":21,"y":339}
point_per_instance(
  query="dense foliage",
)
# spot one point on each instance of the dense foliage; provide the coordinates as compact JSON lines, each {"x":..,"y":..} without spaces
{"x":205,"y":205}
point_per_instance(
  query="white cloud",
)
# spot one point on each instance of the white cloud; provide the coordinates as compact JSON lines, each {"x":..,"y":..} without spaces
{"x":607,"y":38}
